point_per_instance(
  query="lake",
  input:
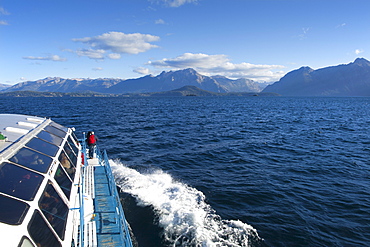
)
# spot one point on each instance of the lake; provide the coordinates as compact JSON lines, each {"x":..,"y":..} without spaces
{"x":231,"y":171}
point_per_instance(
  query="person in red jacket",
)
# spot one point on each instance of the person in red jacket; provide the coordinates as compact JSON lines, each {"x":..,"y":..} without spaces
{"x":91,"y":143}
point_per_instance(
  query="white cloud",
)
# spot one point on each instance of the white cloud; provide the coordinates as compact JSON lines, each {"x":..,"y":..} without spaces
{"x":191,"y":60}
{"x":142,"y":71}
{"x":99,"y":54}
{"x":160,"y":21}
{"x":220,"y":65}
{"x":174,"y":3}
{"x":341,"y":25}
{"x":54,"y":58}
{"x":90,"y":53}
{"x":3,"y":11}
{"x":114,"y":56}
{"x":97,"y":68}
{"x":358,"y":51}
{"x":119,"y":43}
{"x":304,"y":33}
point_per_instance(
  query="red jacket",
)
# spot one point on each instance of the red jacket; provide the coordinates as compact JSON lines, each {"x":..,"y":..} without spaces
{"x":91,"y":140}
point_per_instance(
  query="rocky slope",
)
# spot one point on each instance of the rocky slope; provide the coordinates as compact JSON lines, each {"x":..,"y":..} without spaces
{"x":351,"y":79}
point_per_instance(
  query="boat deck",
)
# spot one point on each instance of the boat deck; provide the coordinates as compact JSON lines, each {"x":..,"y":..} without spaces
{"x":108,"y":229}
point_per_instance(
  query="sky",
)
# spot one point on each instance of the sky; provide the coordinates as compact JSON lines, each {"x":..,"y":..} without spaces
{"x":260,"y":40}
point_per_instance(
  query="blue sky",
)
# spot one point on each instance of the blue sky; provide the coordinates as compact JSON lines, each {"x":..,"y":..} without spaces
{"x":256,"y":39}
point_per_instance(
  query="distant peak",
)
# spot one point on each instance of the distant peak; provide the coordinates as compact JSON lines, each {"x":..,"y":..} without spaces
{"x":190,"y":70}
{"x":362,"y":61}
{"x":187,"y":71}
{"x":305,"y":68}
{"x":301,"y":70}
{"x":179,"y":72}
{"x":51,"y":78}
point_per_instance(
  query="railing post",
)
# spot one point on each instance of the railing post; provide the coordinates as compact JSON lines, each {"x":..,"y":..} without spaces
{"x":82,"y":192}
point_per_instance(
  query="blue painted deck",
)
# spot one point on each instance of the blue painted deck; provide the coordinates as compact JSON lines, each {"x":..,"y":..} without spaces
{"x":107,"y":227}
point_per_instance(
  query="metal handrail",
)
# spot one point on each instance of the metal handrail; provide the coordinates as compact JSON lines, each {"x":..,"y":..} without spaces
{"x":82,"y":191}
{"x":122,"y":223}
{"x":126,"y":239}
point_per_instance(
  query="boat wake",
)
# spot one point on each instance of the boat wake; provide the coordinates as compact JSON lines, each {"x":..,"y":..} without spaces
{"x":183,"y":214}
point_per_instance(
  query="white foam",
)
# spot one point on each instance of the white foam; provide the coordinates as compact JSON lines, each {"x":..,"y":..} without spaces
{"x":182,"y":212}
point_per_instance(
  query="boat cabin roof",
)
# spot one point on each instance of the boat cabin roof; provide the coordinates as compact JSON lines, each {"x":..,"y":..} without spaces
{"x":38,"y":162}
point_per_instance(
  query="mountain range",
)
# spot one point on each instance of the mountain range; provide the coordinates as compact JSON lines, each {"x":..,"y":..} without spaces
{"x":180,"y":92}
{"x":351,"y":79}
{"x":165,"y":81}
{"x":4,"y":86}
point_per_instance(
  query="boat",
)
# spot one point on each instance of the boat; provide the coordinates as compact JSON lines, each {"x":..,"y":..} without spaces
{"x":51,"y":193}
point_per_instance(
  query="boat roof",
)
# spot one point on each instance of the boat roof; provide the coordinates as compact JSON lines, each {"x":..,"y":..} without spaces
{"x":38,"y":161}
{"x":13,"y":127}
{"x":44,"y":198}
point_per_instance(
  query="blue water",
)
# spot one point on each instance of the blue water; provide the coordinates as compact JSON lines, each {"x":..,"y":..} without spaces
{"x":225,"y":171}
